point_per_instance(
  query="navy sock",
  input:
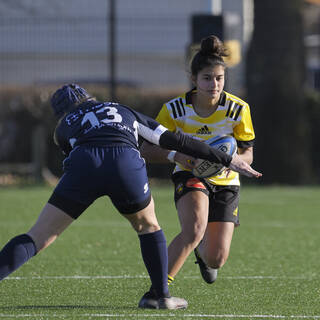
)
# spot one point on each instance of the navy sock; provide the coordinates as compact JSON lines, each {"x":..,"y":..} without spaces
{"x":15,"y":253}
{"x":155,"y":256}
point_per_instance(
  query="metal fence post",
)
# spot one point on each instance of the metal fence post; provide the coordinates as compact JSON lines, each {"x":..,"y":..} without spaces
{"x":38,"y":151}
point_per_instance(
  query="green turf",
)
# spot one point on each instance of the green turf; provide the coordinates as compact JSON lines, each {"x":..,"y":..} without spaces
{"x":272,"y":271}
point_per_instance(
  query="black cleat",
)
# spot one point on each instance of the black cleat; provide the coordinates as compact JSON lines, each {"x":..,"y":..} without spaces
{"x":208,"y":274}
{"x":150,"y":301}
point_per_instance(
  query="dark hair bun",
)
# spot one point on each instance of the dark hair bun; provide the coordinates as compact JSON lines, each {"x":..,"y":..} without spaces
{"x":213,"y":46}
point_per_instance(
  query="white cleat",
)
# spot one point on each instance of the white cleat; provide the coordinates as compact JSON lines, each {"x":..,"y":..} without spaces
{"x":173,"y":303}
{"x":149,"y":301}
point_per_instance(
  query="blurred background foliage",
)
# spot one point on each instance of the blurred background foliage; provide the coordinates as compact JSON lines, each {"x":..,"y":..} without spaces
{"x":280,"y":144}
{"x":22,"y":109}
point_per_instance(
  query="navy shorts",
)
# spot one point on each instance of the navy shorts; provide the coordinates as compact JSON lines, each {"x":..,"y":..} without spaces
{"x":91,"y":172}
{"x":223,"y":200}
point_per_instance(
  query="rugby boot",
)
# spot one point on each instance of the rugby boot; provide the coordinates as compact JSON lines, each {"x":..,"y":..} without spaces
{"x":173,"y":303}
{"x":150,"y":301}
{"x":208,"y":274}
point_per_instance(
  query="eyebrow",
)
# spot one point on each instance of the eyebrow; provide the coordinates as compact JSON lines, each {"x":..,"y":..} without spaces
{"x":214,"y":75}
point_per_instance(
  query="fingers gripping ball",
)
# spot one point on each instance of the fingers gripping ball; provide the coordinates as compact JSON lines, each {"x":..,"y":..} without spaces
{"x":205,"y":168}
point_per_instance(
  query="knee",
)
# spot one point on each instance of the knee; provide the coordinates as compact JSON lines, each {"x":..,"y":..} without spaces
{"x":145,"y":220}
{"x":194,"y":236}
{"x":217,"y":261}
{"x":193,"y":239}
{"x":145,"y":227}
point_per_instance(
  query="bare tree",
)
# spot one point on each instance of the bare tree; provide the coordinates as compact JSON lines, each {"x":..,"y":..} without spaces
{"x":276,"y":92}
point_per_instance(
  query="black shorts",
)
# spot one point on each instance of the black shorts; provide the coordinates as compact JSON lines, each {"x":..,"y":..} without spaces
{"x":223,"y":200}
{"x":91,"y":172}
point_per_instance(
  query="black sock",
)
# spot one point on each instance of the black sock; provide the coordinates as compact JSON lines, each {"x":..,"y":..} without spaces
{"x":155,"y":256}
{"x":15,"y":253}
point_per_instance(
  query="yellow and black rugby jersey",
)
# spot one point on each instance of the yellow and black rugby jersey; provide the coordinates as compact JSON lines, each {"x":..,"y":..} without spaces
{"x":232,"y":117}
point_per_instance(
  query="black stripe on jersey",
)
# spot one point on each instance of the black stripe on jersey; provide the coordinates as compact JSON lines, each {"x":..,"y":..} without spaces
{"x":237,"y":113}
{"x":231,"y":103}
{"x":173,"y":110}
{"x":179,"y":109}
{"x":182,"y":106}
{"x":234,"y":107}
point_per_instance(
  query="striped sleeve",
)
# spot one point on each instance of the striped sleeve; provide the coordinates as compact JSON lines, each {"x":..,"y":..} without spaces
{"x":244,"y":131}
{"x":165,"y":118}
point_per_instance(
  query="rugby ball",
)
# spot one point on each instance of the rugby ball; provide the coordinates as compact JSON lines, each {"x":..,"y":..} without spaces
{"x":205,"y":168}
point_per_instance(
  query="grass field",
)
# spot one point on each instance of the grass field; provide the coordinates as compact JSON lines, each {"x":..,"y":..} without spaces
{"x":94,"y":270}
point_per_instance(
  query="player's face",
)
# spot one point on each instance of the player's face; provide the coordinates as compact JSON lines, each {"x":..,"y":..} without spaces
{"x":210,"y":81}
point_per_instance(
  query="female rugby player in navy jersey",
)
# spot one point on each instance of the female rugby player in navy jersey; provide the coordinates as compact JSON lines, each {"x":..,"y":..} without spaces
{"x":100,"y":140}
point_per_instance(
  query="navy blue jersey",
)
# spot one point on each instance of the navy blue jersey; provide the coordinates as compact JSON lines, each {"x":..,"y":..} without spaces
{"x":105,"y":124}
{"x":109,"y":124}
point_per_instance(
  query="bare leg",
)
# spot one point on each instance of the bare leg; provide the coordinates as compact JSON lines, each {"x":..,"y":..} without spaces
{"x":50,"y":224}
{"x":215,"y":247}
{"x":193,"y":216}
{"x":145,"y":220}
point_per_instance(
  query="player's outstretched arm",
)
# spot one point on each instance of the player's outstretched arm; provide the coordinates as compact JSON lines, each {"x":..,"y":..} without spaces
{"x":238,"y":165}
{"x":189,"y":146}
{"x":195,"y":148}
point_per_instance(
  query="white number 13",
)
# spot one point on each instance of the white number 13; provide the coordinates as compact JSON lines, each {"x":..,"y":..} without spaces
{"x":112,"y":116}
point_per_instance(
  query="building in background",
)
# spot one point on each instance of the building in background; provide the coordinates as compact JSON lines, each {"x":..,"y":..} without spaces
{"x":58,"y":41}
{"x":44,"y":42}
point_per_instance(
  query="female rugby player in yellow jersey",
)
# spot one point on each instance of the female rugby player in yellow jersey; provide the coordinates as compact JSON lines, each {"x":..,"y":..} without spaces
{"x":207,"y":208}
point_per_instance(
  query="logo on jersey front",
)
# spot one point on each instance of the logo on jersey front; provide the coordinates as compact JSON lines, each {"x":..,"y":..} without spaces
{"x":204,"y":130}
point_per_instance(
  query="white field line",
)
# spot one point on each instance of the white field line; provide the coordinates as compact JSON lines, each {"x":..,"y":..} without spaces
{"x":212,"y":316}
{"x":175,"y":316}
{"x":76,"y":277}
